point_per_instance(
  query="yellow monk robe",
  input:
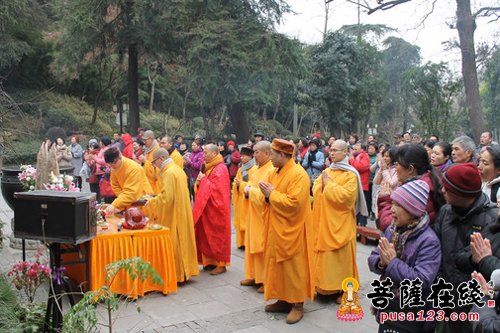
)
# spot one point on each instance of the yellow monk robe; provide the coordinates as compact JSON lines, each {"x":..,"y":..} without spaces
{"x":334,"y":221}
{"x":129,"y":183}
{"x":254,"y":234}
{"x":240,"y":206}
{"x":289,"y":248}
{"x":172,"y":208}
{"x":177,"y":157}
{"x":151,"y":171}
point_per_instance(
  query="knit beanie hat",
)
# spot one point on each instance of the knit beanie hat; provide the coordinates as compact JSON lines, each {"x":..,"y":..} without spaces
{"x":463,"y":180}
{"x":412,"y":196}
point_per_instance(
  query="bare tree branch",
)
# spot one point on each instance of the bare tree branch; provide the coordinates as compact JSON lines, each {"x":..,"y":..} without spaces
{"x":487,"y":11}
{"x":360,"y":4}
{"x":386,"y":5}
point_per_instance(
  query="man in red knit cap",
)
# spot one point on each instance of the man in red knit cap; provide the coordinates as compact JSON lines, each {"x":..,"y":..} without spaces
{"x":468,"y":210}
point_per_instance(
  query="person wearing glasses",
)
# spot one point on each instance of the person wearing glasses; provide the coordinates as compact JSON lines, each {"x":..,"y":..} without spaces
{"x":338,"y":198}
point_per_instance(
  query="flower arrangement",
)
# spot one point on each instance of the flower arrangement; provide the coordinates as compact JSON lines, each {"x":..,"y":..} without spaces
{"x":27,"y":177}
{"x":28,"y":276}
{"x":61,"y":183}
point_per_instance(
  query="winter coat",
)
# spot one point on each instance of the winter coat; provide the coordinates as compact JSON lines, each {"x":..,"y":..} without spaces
{"x":233,"y":162}
{"x":63,"y":156}
{"x":489,"y":318}
{"x":77,"y":160}
{"x":128,"y":150}
{"x":421,"y":258}
{"x":315,"y":166}
{"x":454,"y":229}
{"x":489,"y":263}
{"x":195,"y":162}
{"x":361,"y":162}
{"x":384,"y":205}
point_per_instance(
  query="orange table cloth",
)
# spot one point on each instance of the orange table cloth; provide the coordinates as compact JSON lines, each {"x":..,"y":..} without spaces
{"x":153,"y":246}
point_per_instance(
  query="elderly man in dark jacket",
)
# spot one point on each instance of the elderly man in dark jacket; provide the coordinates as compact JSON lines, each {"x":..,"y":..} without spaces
{"x":467,"y":210}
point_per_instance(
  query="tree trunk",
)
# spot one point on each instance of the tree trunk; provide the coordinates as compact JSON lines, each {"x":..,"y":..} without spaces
{"x":466,"y":26}
{"x":240,"y":123}
{"x":133,"y":89}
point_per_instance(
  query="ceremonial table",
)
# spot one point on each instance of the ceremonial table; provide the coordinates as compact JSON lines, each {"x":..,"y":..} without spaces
{"x":153,"y":246}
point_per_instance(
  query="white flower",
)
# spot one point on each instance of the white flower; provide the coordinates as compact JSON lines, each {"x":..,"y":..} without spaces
{"x":28,"y":178}
{"x":32,"y":188}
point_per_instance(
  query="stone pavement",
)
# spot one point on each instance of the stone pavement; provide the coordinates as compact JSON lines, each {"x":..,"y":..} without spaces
{"x":219,"y":304}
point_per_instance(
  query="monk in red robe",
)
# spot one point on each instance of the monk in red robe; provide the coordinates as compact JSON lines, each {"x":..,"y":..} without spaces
{"x":212,"y":212}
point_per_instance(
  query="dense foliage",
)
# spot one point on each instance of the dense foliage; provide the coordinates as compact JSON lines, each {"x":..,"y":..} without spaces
{"x":211,"y":68}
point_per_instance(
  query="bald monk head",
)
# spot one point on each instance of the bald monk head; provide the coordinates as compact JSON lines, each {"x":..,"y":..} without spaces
{"x":338,"y":151}
{"x":262,"y":152}
{"x":160,"y":155}
{"x":166,"y":142}
{"x":210,"y":150}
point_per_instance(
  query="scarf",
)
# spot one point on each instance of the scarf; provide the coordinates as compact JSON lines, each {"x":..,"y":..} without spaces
{"x":154,"y":144}
{"x":212,"y":164}
{"x":401,"y":234}
{"x":244,"y":169}
{"x":360,"y":201}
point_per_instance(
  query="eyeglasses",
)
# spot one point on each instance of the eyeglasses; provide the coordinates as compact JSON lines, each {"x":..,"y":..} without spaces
{"x":334,"y":150}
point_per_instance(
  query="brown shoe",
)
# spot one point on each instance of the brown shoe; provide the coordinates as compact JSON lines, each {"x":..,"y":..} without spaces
{"x":261,"y":289}
{"x":218,"y":270}
{"x":278,"y":306}
{"x":247,"y":282}
{"x":296,"y":314}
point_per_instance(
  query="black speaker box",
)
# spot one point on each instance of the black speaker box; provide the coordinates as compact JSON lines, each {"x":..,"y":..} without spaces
{"x":51,"y":216}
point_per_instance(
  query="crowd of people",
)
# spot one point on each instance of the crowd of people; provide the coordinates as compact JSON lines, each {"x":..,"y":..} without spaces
{"x":297,"y":206}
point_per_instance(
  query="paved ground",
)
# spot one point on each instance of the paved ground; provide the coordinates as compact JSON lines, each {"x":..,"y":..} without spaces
{"x":219,"y":304}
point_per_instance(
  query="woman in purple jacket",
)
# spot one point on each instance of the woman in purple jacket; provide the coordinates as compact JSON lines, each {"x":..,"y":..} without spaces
{"x":193,"y":162}
{"x":410,"y":250}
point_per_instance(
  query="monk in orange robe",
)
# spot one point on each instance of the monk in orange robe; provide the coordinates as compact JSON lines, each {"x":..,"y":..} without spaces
{"x":147,"y":159}
{"x":288,"y":235}
{"x":172,"y":208}
{"x":336,"y":193}
{"x":168,"y":143}
{"x":254,"y":234}
{"x":128,"y":180}
{"x":240,"y":202}
{"x":212,"y":212}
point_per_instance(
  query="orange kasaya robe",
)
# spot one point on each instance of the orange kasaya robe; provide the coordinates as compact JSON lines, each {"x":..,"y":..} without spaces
{"x":212,"y":215}
{"x":254,"y":234}
{"x":172,"y":208}
{"x":128,"y":183}
{"x":149,"y":168}
{"x":240,"y":206}
{"x":177,"y":158}
{"x":288,"y":237}
{"x":334,"y":221}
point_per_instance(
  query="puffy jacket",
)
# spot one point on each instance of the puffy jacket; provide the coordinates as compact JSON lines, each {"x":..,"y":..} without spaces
{"x":489,"y":263}
{"x":361,"y":163}
{"x":454,"y":229}
{"x":421,"y":259}
{"x":128,"y":150}
{"x":315,"y":166}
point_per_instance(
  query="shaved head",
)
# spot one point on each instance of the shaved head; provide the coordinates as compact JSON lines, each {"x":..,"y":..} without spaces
{"x":212,"y":147}
{"x":262,"y":152}
{"x":166,"y":142}
{"x":263,"y":146}
{"x":340,"y":144}
{"x":160,"y":152}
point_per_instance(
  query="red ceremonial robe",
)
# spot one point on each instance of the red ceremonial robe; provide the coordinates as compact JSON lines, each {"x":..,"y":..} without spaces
{"x":212,"y":214}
